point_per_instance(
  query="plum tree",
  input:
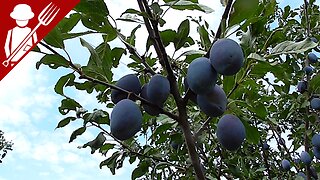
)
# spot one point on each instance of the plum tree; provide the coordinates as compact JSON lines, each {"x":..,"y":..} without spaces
{"x":305,"y":157}
{"x":230,"y":132}
{"x":308,"y":69}
{"x":312,"y":58}
{"x":226,"y":56}
{"x":125,"y":120}
{"x":201,"y":77}
{"x":153,"y":111}
{"x":158,"y":89}
{"x":302,"y":86}
{"x":316,"y":140}
{"x":315,"y":103}
{"x":214,"y":103}
{"x":285,"y":164}
{"x":128,"y":82}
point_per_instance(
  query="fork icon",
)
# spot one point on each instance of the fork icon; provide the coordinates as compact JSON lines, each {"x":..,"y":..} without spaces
{"x":45,"y":17}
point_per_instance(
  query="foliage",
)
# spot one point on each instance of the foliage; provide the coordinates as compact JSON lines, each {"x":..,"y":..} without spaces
{"x":275,"y":42}
{"x":5,"y":146}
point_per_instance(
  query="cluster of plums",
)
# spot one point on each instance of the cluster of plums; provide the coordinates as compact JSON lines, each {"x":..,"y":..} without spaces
{"x":226,"y":58}
{"x":303,"y":85}
{"x":126,"y":117}
{"x":305,"y":158}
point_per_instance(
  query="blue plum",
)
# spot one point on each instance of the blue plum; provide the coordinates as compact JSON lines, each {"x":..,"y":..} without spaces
{"x":285,"y":164}
{"x":125,"y":120}
{"x":201,"y":77}
{"x":226,"y":56}
{"x":265,"y":146}
{"x":316,"y":140}
{"x":316,"y":152}
{"x":305,"y":158}
{"x":128,"y":82}
{"x":153,"y":111}
{"x":302,"y":86}
{"x":230,"y":132}
{"x":301,"y":174}
{"x":158,"y":89}
{"x":214,"y":103}
{"x":308,"y":69}
{"x":315,"y":103}
{"x":312,"y":57}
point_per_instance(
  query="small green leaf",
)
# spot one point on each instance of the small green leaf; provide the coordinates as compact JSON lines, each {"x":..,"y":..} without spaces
{"x":182,"y":34}
{"x":140,"y":170}
{"x":53,"y":61}
{"x":256,"y":57}
{"x":67,"y":105}
{"x":290,"y":47}
{"x":65,"y":121}
{"x":96,"y":143}
{"x":106,"y":147}
{"x":241,"y":10}
{"x":188,"y":5}
{"x":62,"y":83}
{"x":76,"y":133}
{"x":54,"y":38}
{"x":68,"y":23}
{"x":111,"y":162}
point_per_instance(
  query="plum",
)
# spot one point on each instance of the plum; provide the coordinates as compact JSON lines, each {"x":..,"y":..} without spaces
{"x":313,"y":172}
{"x":201,"y":77}
{"x":158,"y":89}
{"x":265,"y":146}
{"x":316,"y":140}
{"x":226,"y":56}
{"x":308,"y":69}
{"x":315,"y":103}
{"x":285,"y":164}
{"x":305,"y":157}
{"x":301,"y":174}
{"x":302,"y":86}
{"x":313,"y":39}
{"x":316,"y":152}
{"x":312,"y":57}
{"x":153,"y":111}
{"x":214,"y":103}
{"x":125,"y":120}
{"x":230,"y":132}
{"x":128,"y":82}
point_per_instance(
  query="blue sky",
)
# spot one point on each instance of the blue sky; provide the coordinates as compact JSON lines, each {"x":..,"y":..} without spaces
{"x":29,"y":114}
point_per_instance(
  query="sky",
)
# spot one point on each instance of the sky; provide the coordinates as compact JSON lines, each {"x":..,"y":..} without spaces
{"x":29,"y":112}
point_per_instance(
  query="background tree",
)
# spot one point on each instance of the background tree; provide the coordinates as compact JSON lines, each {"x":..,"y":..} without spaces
{"x":5,"y":146}
{"x":181,"y":142}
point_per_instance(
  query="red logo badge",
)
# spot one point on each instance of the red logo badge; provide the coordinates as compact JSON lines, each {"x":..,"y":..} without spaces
{"x":24,"y":24}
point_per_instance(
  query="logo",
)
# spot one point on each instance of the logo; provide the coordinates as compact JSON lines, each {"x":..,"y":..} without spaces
{"x":24,"y":24}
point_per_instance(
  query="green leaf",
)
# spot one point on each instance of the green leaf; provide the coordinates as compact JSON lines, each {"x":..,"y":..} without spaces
{"x":94,"y":55}
{"x":290,"y":47}
{"x":256,"y":57}
{"x":182,"y":34}
{"x":67,"y":105}
{"x":77,"y":133}
{"x":167,"y":36}
{"x":140,"y":170}
{"x":65,"y":121}
{"x":188,"y":5}
{"x":111,"y":162}
{"x":96,"y":143}
{"x":62,"y":83}
{"x":315,"y":84}
{"x":90,"y":6}
{"x":106,"y":147}
{"x":67,"y":24}
{"x":252,"y":133}
{"x":96,"y":116}
{"x":54,"y":38}
{"x":241,"y":10}
{"x":53,"y":61}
